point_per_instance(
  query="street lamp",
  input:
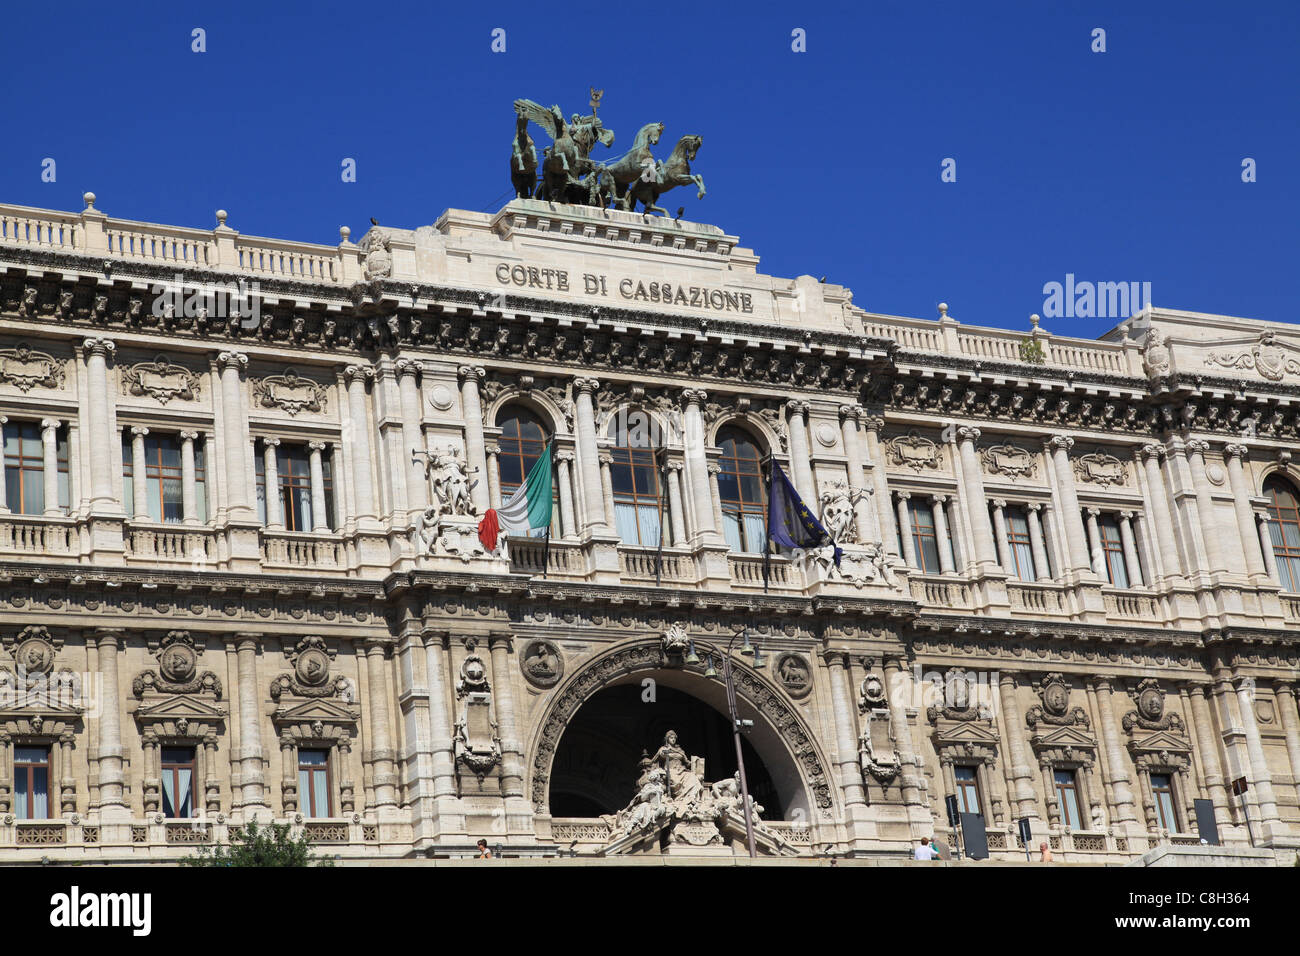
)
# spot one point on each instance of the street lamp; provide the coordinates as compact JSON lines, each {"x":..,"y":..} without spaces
{"x":737,"y":725}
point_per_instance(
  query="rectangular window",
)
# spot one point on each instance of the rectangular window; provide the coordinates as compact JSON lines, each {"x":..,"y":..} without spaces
{"x":178,"y":781}
{"x":163,"y":477}
{"x":1022,"y":553}
{"x":293,"y":475}
{"x":24,"y":465}
{"x":201,"y":481}
{"x":32,"y":783}
{"x":1113,"y":550}
{"x":1067,"y":798}
{"x":921,"y":516}
{"x":314,"y":783}
{"x":637,"y":504}
{"x":968,"y":789}
{"x":1162,"y":789}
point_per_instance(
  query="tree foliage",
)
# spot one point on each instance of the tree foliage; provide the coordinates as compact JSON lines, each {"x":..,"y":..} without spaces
{"x":252,"y":845}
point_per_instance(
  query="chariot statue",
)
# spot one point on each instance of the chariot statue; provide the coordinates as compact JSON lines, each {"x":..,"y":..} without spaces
{"x":569,"y":174}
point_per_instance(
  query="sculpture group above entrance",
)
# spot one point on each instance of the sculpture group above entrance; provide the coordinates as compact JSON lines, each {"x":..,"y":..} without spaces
{"x":570,"y":175}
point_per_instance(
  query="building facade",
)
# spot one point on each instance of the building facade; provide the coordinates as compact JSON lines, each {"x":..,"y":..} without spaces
{"x":241,"y":575}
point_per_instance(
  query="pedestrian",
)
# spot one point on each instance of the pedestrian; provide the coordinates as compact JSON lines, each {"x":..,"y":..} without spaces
{"x":925,"y":851}
{"x":1044,"y":853}
{"x":483,"y":852}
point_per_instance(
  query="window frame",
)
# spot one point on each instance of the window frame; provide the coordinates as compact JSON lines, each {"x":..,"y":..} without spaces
{"x":1019,"y":544}
{"x":964,"y":787}
{"x":1168,"y":790}
{"x":1072,"y":788}
{"x":1112,"y":549}
{"x":1285,"y":557}
{"x":517,"y":447}
{"x":637,"y":461}
{"x":173,"y":767}
{"x":305,"y":794}
{"x":27,"y":788}
{"x":22,"y":463}
{"x":922,"y":535}
{"x":731,"y":466}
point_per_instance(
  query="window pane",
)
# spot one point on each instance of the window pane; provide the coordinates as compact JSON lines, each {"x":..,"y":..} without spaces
{"x":755,"y":533}
{"x":731,"y":531}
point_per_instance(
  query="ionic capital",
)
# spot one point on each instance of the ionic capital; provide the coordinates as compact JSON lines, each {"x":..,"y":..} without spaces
{"x":99,"y":346}
{"x":1236,"y":451}
{"x":232,"y":360}
{"x":355,"y":374}
{"x":1152,"y":450}
{"x":1060,"y":443}
{"x":586,"y":385}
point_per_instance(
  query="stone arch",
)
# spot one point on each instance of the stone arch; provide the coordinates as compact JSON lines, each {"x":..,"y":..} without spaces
{"x":660,"y":422}
{"x":539,"y":403}
{"x":1284,"y":470}
{"x":761,"y":430}
{"x":782,"y":737}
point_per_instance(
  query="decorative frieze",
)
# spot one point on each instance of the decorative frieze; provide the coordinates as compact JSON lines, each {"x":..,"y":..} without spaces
{"x":291,"y":392}
{"x":26,"y":368}
{"x":161,"y":380}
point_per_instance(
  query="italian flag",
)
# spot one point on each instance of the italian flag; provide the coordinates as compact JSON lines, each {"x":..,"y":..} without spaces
{"x":527,"y":512}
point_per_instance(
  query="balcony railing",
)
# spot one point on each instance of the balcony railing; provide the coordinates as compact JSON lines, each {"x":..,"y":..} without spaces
{"x":1131,"y":606}
{"x":170,"y":544}
{"x":528,"y":555}
{"x":1032,"y":597}
{"x":747,"y":573}
{"x":939,"y":593}
{"x":639,"y":564}
{"x":301,"y":551}
{"x":33,"y":535}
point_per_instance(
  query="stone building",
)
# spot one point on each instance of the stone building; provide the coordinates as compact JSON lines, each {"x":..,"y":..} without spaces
{"x":240,"y":574}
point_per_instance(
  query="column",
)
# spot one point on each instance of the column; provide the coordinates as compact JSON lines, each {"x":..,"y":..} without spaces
{"x":977,"y":511}
{"x":946,"y":560}
{"x":1042,"y":567}
{"x":1255,"y":748}
{"x":68,"y":781}
{"x":289,"y":794}
{"x":1058,"y":447}
{"x":1266,"y":546}
{"x":111,"y":777}
{"x":493,"y":453}
{"x":319,"y":510}
{"x":474,"y":443}
{"x":1021,"y":774}
{"x":97,"y":352}
{"x":715,"y":495}
{"x":440,"y":729}
{"x":1135,"y":576}
{"x":274,"y":516}
{"x":697,"y":466}
{"x":1162,"y":516}
{"x":1000,"y":535}
{"x":50,"y":464}
{"x":1094,"y":544}
{"x":905,"y":531}
{"x":211,"y":782}
{"x":1125,"y":811}
{"x":800,"y":457}
{"x":899,"y":690}
{"x":593,"y":489}
{"x":1195,"y":451}
{"x":873,"y":424}
{"x":675,"y":504}
{"x":189,"y":492}
{"x":1203,"y":728}
{"x":417,"y":491}
{"x":1236,"y":455}
{"x":849,"y":415}
{"x":1286,"y":705}
{"x":355,"y":377}
{"x":251,"y":794}
{"x":846,"y":739}
{"x":564,"y":462}
{"x":607,"y":487}
{"x":139,"y":479}
{"x":1103,"y":757}
{"x":233,"y":426}
{"x":382,"y":756}
{"x":512,"y":771}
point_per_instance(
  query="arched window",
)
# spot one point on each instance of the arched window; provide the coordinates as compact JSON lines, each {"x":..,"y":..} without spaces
{"x":740,"y":489}
{"x":634,"y":475}
{"x":1284,"y":530}
{"x":523,"y":439}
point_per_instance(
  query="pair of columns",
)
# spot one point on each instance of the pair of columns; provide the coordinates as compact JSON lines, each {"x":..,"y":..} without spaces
{"x":49,"y":466}
{"x":271,"y":483}
{"x":1132,"y":566}
{"x":140,"y":476}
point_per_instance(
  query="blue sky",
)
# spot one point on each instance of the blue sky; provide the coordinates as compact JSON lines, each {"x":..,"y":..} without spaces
{"x":1123,"y":166}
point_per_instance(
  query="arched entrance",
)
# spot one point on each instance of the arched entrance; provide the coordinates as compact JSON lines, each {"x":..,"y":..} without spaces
{"x":598,"y":769}
{"x":597,"y":762}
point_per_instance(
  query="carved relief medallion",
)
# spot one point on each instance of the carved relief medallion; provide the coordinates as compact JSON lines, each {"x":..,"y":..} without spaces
{"x":794,"y":674}
{"x":542,"y":663}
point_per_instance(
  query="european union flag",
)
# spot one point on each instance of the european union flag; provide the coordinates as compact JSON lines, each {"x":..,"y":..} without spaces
{"x":790,"y":523}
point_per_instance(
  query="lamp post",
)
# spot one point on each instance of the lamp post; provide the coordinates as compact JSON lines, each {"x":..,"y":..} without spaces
{"x":737,"y":725}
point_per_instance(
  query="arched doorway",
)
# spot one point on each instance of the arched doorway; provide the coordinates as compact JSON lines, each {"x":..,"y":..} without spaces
{"x":597,"y":762}
{"x":586,"y":758}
